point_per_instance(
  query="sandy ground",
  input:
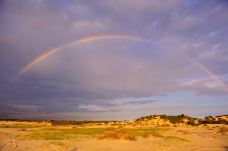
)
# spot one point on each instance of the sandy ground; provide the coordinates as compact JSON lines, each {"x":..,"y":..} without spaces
{"x":202,"y":138}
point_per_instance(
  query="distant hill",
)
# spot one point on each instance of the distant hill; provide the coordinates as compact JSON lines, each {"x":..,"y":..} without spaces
{"x":151,"y":120}
{"x":179,"y":120}
{"x":221,"y":119}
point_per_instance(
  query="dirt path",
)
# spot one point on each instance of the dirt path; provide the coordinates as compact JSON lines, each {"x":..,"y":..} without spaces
{"x":10,"y":145}
{"x":197,"y":148}
{"x":210,"y":148}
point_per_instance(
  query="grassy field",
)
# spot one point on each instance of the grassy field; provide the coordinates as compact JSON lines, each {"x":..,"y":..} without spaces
{"x":69,"y":133}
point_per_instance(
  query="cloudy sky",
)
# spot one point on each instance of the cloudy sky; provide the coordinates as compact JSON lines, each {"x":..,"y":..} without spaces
{"x":177,"y":64}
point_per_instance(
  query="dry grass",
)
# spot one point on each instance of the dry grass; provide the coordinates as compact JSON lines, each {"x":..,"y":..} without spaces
{"x":126,"y":134}
{"x":156,"y":135}
{"x":184,"y":132}
{"x":131,"y":134}
{"x":146,"y":136}
{"x":115,"y":134}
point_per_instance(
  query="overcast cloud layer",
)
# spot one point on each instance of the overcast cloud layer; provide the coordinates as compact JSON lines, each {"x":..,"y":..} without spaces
{"x":183,"y":70}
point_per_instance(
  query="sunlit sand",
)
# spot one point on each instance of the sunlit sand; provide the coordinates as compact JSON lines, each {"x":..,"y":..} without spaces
{"x":143,"y":134}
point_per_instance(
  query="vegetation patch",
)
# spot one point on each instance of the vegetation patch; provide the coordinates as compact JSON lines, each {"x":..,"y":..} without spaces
{"x":57,"y":143}
{"x":17,"y":125}
{"x":60,"y":134}
{"x":116,"y":134}
{"x":101,"y":133}
{"x":145,"y":132}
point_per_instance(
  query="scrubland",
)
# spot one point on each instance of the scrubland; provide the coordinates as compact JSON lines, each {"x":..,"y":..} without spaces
{"x":151,"y":133}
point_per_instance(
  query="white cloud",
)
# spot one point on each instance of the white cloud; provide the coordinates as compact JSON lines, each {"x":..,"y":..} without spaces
{"x":92,"y":107}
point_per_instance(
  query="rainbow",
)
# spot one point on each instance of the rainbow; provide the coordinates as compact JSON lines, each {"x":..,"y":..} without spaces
{"x":76,"y":42}
{"x":209,"y":72}
{"x":111,"y":36}
{"x":206,"y":70}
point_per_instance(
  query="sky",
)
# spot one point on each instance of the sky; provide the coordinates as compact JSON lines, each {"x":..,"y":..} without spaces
{"x":113,"y":59}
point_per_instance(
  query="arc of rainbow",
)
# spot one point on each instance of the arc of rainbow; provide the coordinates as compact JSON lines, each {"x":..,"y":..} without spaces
{"x":209,"y":72}
{"x":101,"y":37}
{"x":76,"y":42}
